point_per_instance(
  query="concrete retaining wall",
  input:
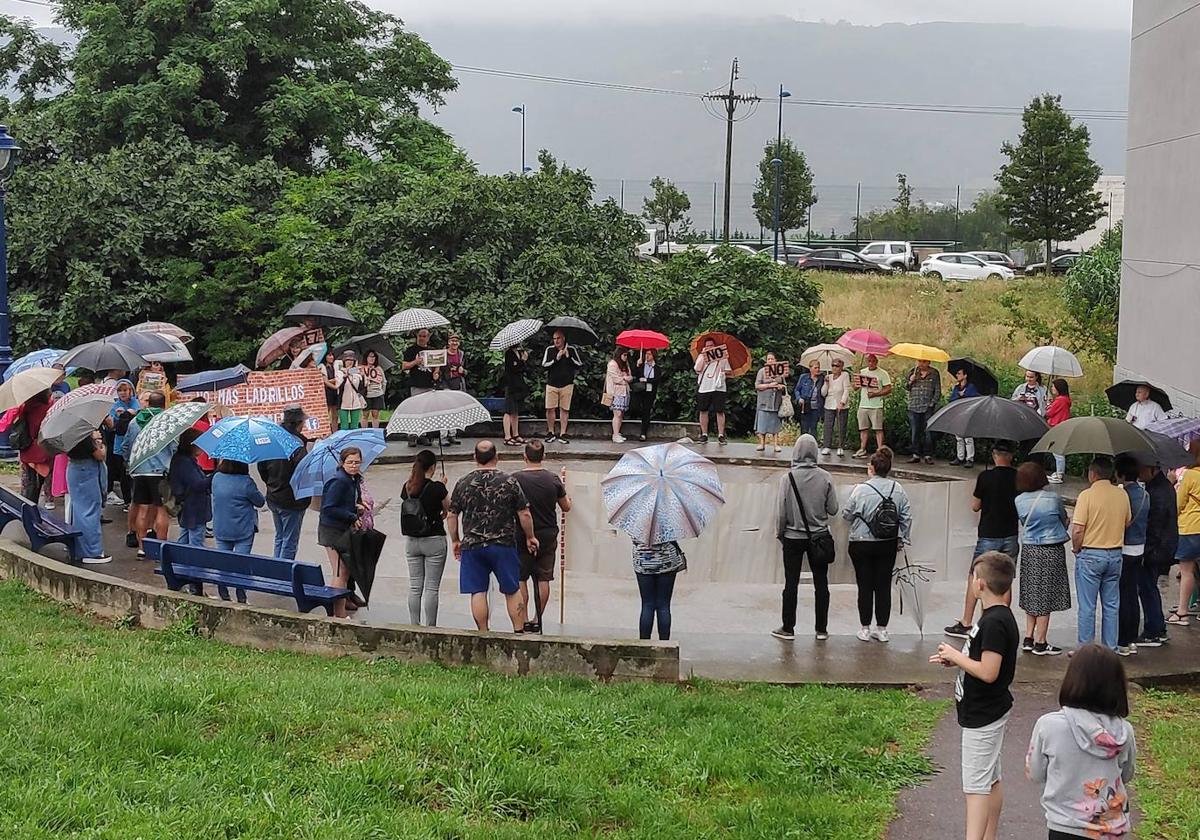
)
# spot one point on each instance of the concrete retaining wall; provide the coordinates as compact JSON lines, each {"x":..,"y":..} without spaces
{"x":314,"y":633}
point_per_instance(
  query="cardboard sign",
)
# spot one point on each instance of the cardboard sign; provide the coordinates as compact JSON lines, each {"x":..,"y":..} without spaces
{"x":268,"y":393}
{"x":779,"y":369}
{"x":433,"y":358}
{"x":871,"y":383}
{"x":714,"y":353}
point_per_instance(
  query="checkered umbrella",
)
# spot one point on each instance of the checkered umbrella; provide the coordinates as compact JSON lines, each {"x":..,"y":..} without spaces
{"x":104,"y":389}
{"x":437,"y":411}
{"x":411,"y":320}
{"x":164,"y":429}
{"x":1183,"y":429}
{"x":515,"y":333}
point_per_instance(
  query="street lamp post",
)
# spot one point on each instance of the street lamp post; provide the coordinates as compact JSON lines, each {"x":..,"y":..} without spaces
{"x":9,"y":151}
{"x":520,"y":109}
{"x":777,"y":162}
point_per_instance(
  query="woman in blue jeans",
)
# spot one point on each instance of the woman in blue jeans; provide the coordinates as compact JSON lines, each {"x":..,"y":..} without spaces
{"x":235,"y":503}
{"x":656,"y":567}
{"x":810,"y":405}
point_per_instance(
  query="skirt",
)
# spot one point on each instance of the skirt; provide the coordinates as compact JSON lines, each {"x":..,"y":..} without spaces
{"x":767,"y":422}
{"x":620,"y":402}
{"x":1044,"y":586}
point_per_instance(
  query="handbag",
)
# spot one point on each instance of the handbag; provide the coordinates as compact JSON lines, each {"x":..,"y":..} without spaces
{"x":606,"y":399}
{"x":820,"y":548}
{"x":786,"y":410}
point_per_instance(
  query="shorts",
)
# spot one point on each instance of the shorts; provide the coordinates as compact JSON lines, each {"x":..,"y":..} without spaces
{"x":559,"y":397}
{"x":870,"y":419}
{"x":1007,"y":545}
{"x":146,"y":491}
{"x":480,"y":562}
{"x":711,"y":401}
{"x":376,"y":403}
{"x":981,"y":750}
{"x":1189,"y":547}
{"x":540,"y":567}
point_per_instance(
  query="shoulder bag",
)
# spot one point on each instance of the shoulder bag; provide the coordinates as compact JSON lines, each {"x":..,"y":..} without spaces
{"x":820,"y":548}
{"x":786,"y":409}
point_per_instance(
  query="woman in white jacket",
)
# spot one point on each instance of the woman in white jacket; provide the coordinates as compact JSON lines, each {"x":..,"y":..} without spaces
{"x":836,"y":391}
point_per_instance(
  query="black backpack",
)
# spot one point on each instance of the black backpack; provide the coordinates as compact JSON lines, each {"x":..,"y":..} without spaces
{"x":414,"y":519}
{"x":19,"y":437}
{"x":884,"y":523}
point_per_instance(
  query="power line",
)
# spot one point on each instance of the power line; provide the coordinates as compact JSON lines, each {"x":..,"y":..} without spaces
{"x":915,"y":107}
{"x":38,"y":3}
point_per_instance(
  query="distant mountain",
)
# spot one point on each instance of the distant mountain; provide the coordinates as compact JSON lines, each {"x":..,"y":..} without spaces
{"x":621,"y":135}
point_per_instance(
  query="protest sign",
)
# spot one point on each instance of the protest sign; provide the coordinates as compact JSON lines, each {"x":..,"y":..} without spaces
{"x":268,"y":393}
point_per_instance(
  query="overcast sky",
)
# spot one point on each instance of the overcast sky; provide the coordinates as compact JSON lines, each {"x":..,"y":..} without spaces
{"x":1106,"y":14}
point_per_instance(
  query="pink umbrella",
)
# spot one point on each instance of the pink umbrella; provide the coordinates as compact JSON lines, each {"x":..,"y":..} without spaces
{"x":105,"y":389}
{"x":276,"y":346}
{"x":865,"y":341}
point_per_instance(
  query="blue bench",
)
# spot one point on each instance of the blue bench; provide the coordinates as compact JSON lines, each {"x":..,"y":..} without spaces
{"x":181,"y":565}
{"x":42,"y":528}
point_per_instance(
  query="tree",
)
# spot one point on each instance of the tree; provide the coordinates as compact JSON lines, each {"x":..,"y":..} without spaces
{"x":1047,"y":188}
{"x":796,"y":194}
{"x":667,"y":206}
{"x":905,"y":219}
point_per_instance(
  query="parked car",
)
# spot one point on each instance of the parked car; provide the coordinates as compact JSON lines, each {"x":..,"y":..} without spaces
{"x":839,"y":259}
{"x":1058,"y":265}
{"x":897,"y":256}
{"x":963,"y":267}
{"x":788,"y":254}
{"x":995,"y":258}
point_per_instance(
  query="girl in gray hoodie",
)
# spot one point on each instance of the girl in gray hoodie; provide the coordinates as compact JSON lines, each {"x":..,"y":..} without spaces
{"x":1084,"y":753}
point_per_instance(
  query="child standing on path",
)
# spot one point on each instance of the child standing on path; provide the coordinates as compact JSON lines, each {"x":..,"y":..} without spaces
{"x":1084,"y":753}
{"x":988,"y":661}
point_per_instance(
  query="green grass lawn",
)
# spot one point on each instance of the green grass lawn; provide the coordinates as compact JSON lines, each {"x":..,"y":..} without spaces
{"x":1168,"y":764}
{"x":120,"y":733}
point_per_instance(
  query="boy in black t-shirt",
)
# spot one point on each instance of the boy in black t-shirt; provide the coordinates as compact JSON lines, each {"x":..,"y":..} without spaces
{"x":988,"y":661}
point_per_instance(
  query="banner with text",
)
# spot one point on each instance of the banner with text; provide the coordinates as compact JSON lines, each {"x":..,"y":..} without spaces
{"x":268,"y":393}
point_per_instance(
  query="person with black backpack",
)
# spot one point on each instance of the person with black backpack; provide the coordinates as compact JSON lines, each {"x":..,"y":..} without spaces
{"x":879,"y":515}
{"x":422,"y":511}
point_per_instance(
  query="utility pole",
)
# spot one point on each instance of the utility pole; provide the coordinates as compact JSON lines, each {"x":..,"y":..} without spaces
{"x":731,"y":100}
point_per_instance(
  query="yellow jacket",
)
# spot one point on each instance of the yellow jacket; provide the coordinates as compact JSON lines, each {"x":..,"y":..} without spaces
{"x":1187,"y":494}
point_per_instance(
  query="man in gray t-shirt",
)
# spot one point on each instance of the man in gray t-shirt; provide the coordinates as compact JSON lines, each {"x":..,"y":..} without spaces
{"x":546,"y":496}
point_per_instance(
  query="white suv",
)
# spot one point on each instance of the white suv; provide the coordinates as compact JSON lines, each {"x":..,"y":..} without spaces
{"x":898,"y":256}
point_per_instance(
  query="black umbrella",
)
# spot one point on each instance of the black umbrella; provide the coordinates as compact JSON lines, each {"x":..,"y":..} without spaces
{"x":361,"y":344}
{"x":1124,"y":394}
{"x":576,"y":330}
{"x":989,"y":417}
{"x":213,"y":380}
{"x":320,"y":313}
{"x":984,"y":380}
{"x":361,"y":550}
{"x":1167,"y":453}
{"x":102,"y":355}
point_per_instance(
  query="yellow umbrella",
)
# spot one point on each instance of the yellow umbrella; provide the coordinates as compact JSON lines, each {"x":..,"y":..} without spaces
{"x":26,"y":384}
{"x":920,"y":351}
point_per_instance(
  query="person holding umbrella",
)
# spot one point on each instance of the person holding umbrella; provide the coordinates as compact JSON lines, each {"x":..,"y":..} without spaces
{"x":286,"y":510}
{"x":712,"y":366}
{"x":1129,"y":617}
{"x":1102,"y":514}
{"x":35,"y":461}
{"x":421,"y":379}
{"x":561,"y":363}
{"x":1144,"y":410}
{"x":341,"y":506}
{"x":516,"y":364}
{"x":236,"y":501}
{"x":1058,"y":411}
{"x":644,"y":388}
{"x":836,"y":391}
{"x":86,"y":481}
{"x":456,"y":375}
{"x":924,"y":386}
{"x":125,"y":408}
{"x":617,"y":377}
{"x":965,"y":446}
{"x":192,"y":488}
{"x":147,"y":516}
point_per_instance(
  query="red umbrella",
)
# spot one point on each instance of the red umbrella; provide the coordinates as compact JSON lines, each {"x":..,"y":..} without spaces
{"x":865,"y":341}
{"x":643,"y":340}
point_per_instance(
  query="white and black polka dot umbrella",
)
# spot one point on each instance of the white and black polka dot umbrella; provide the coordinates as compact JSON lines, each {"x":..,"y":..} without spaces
{"x":437,"y":411}
{"x":515,"y":333}
{"x":411,"y":320}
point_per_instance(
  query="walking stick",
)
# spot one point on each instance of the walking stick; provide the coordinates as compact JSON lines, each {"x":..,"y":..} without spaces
{"x":562,"y":558}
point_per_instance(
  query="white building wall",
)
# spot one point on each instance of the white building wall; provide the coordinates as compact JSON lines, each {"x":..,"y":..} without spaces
{"x":1159,"y":336}
{"x":1111,"y":189}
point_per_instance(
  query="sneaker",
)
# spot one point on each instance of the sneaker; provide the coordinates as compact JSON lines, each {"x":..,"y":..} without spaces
{"x":550,"y":438}
{"x":1046,"y":649}
{"x":826,"y":451}
{"x":958,"y":630}
{"x":1148,"y":641}
{"x":822,"y":636}
{"x":864,"y":635}
{"x":141,"y":555}
{"x":862,"y":453}
{"x":929,"y":460}
{"x":563,"y":439}
{"x":114,"y":499}
{"x":1126,"y":650}
{"x":151,"y":535}
{"x":1162,"y":639}
{"x":841,"y":452}
{"x":702,"y":439}
{"x":914,"y":459}
{"x":880,"y":634}
{"x":618,"y":439}
{"x":1055,"y":478}
{"x":968,"y":465}
{"x":721,"y":440}
{"x":642,"y":438}
{"x":956,"y":462}
{"x":781,"y":633}
{"x":96,"y":561}
{"x":131,"y":540}
{"x":532,"y":627}
{"x":1027,"y":644}
{"x":48,"y":504}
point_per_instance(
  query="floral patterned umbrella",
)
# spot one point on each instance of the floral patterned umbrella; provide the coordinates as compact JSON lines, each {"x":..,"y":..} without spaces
{"x":662,"y":493}
{"x":163,"y":430}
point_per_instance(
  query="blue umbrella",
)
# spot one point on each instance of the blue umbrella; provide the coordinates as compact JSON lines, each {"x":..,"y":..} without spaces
{"x":212,"y":380}
{"x":318,"y":466}
{"x":36,"y":359}
{"x":661,"y":493}
{"x":248,"y":439}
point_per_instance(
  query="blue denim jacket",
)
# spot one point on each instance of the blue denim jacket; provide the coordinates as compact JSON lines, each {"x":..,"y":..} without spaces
{"x":1139,"y":507}
{"x":863,"y":501}
{"x":807,"y":392}
{"x":1044,"y":517}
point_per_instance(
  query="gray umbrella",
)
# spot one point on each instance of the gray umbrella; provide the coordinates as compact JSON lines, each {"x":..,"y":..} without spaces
{"x":575,"y":329}
{"x":988,"y":417}
{"x":102,"y":355}
{"x":1167,"y":453}
{"x":63,"y":429}
{"x":1095,"y":436}
{"x":320,"y":313}
{"x":361,"y":344}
